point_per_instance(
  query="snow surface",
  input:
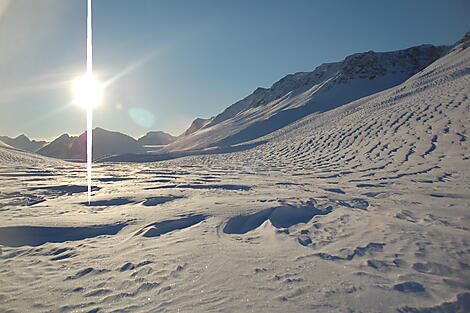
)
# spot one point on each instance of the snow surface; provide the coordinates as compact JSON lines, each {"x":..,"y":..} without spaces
{"x":362,"y":208}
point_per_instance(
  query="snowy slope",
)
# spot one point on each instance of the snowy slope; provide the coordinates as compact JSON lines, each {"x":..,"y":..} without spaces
{"x":297,"y":95}
{"x":12,"y":156}
{"x":414,"y":120}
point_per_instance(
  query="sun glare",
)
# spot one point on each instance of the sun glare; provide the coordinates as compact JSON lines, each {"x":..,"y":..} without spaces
{"x":87,"y":91}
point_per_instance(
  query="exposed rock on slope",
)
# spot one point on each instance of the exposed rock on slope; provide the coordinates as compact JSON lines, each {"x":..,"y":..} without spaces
{"x":420,"y":125}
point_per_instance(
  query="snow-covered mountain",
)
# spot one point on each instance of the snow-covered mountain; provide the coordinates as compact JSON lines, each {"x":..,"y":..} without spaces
{"x":12,"y":155}
{"x":23,"y":142}
{"x":421,"y":123}
{"x":105,"y":143}
{"x":196,"y":125}
{"x":155,"y":138}
{"x":295,"y":96}
{"x":58,"y":148}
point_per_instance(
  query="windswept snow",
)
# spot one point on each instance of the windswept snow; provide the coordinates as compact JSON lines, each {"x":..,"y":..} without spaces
{"x":360,"y":208}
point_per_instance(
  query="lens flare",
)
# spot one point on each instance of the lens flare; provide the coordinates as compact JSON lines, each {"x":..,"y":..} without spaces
{"x":87,"y":91}
{"x":93,"y":95}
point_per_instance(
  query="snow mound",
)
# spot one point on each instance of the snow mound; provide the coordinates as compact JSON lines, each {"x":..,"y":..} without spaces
{"x":280,"y":217}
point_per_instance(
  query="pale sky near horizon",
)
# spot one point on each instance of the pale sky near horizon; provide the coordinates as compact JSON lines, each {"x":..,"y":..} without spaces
{"x":173,"y":61}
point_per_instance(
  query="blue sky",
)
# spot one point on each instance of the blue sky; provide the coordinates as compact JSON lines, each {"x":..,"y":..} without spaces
{"x":178,"y":60}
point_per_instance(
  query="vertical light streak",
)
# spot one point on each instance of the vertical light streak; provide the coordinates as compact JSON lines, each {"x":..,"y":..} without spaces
{"x":89,"y":109}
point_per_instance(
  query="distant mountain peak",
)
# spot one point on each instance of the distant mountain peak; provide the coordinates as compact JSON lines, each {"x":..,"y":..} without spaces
{"x":22,"y":137}
{"x":105,"y":143}
{"x":155,"y":132}
{"x":63,"y":136}
{"x":199,"y":123}
{"x":464,"y":43}
{"x":156,"y":138}
{"x":22,"y":142}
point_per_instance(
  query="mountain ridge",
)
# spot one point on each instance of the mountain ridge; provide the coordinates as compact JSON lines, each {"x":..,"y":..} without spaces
{"x":296,"y":95}
{"x":22,"y":142}
{"x":105,"y":143}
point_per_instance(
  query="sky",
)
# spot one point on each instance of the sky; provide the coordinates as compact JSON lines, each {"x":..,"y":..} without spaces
{"x":167,"y":62}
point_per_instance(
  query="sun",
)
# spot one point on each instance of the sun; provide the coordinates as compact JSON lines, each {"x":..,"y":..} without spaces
{"x":87,"y":91}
